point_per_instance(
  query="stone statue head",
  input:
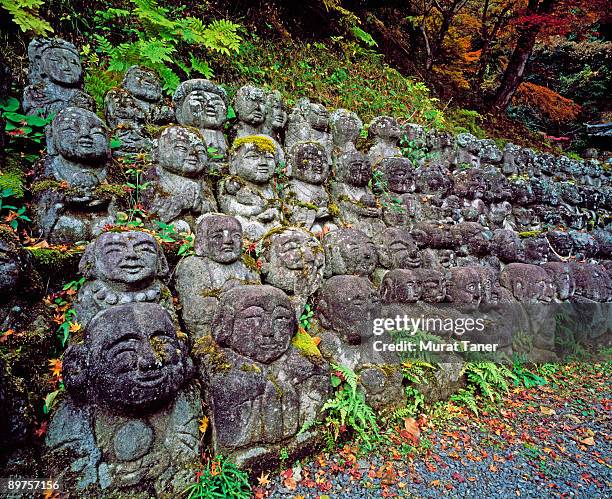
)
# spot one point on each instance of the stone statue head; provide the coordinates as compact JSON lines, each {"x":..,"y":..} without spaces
{"x":130,"y":260}
{"x":347,"y":305}
{"x":497,"y":187}
{"x":131,"y":359}
{"x":143,"y":84}
{"x":291,"y":258}
{"x":276,"y":112}
{"x":56,"y":60}
{"x":429,"y":235}
{"x":349,"y":251}
{"x":385,"y":127}
{"x":432,"y":284}
{"x":470,"y":184}
{"x":507,"y":246}
{"x":398,"y":173}
{"x":17,"y":277}
{"x":219,"y":237}
{"x":317,"y":117}
{"x":536,"y":249}
{"x":563,"y":277}
{"x":491,"y":290}
{"x":257,"y":322}
{"x":79,"y":136}
{"x":250,"y":105}
{"x":400,"y":286}
{"x":592,"y":281}
{"x":254,"y":158}
{"x":434,"y":179}
{"x":560,"y":242}
{"x":345,"y":127}
{"x":528,"y":283}
{"x":181,"y":151}
{"x":397,"y":249}
{"x":201,"y":104}
{"x":464,"y":287}
{"x":308,"y":163}
{"x":354,"y":168}
{"x":471,"y":236}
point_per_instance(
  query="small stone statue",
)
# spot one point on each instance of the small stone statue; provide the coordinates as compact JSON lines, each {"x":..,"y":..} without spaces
{"x":470,"y":186}
{"x":507,"y":246}
{"x":396,"y":250}
{"x":276,"y":116}
{"x":248,"y":193}
{"x":136,"y":103}
{"x":293,"y":260}
{"x":178,"y":190}
{"x":129,"y":422}
{"x":309,"y":122}
{"x":536,"y":249}
{"x":561,"y":273}
{"x":349,"y":252}
{"x":401,"y":208}
{"x":77,"y":156}
{"x":267,"y":388}
{"x":55,"y":78}
{"x":250,"y":106}
{"x":345,"y":127}
{"x":432,"y":284}
{"x":468,"y":151}
{"x":464,"y":289}
{"x":122,"y":267}
{"x":385,"y":132}
{"x":305,"y":193}
{"x":203,"y":105}
{"x":216,"y":265}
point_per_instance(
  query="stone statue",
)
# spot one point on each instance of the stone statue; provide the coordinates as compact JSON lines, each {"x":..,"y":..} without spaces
{"x":55,"y":78}
{"x":122,"y":267}
{"x":345,"y":127}
{"x":507,"y":246}
{"x":216,"y":265}
{"x":470,"y":186}
{"x":561,"y":273}
{"x":468,"y":151}
{"x":309,"y":122}
{"x":250,"y":106}
{"x":470,"y":239}
{"x":130,"y":422}
{"x":137,"y":103}
{"x":432,"y":284}
{"x":305,"y":193}
{"x":399,"y":292}
{"x":73,"y":207}
{"x":536,"y":249}
{"x":350,"y":252}
{"x":386,"y":133}
{"x":396,"y":250}
{"x":178,"y":189}
{"x":401,"y":208}
{"x":276,"y":116}
{"x":248,"y":193}
{"x":464,"y":287}
{"x":267,"y":388}
{"x":293,"y":260}
{"x":203,"y":105}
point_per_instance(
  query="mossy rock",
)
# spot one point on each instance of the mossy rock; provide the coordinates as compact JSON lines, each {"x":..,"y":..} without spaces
{"x":55,"y":264}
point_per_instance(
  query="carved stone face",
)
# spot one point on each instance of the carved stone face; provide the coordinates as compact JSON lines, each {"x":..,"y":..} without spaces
{"x":562,"y":276}
{"x":309,"y":163}
{"x":489,"y":285}
{"x":181,"y":151}
{"x":400,"y":286}
{"x":62,"y":66}
{"x":470,"y":184}
{"x":447,"y":258}
{"x":257,"y":322}
{"x":251,"y":105}
{"x":434,"y":180}
{"x":561,"y":242}
{"x":385,"y":127}
{"x":507,"y":246}
{"x":536,"y":249}
{"x":276,"y":113}
{"x":219,"y":237}
{"x":349,"y":251}
{"x":318,"y":117}
{"x":135,"y":359}
{"x":432,"y":284}
{"x":80,"y":136}
{"x":355,"y":169}
{"x":397,"y":250}
{"x":528,"y":283}
{"x":472,"y":236}
{"x":464,"y":288}
{"x":253,"y":164}
{"x":592,"y":281}
{"x":143,"y":84}
{"x":9,"y":268}
{"x":345,"y":127}
{"x":204,"y":110}
{"x":294,"y":250}
{"x":398,"y":174}
{"x":129,"y":258}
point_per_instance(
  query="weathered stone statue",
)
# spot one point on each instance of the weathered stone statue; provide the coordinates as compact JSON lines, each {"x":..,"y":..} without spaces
{"x":55,"y":78}
{"x":561,"y":273}
{"x":350,"y":192}
{"x":293,"y":260}
{"x":216,"y":265}
{"x":507,"y":246}
{"x":396,"y":250}
{"x":122,"y":267}
{"x":345,"y":127}
{"x":401,"y":208}
{"x":70,"y":206}
{"x":309,"y":122}
{"x":432,"y":284}
{"x":464,"y":287}
{"x":129,"y":108}
{"x":276,"y":116}
{"x":470,"y":186}
{"x":536,"y":249}
{"x":250,"y":106}
{"x":468,"y":151}
{"x":129,"y":422}
{"x":386,"y":133}
{"x":305,"y":194}
{"x":266,"y":388}
{"x":471,"y":241}
{"x":178,"y":188}
{"x":247,"y":193}
{"x":349,"y":252}
{"x":203,"y":105}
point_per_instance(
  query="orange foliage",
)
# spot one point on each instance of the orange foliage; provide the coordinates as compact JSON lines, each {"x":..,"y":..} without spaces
{"x":547,"y":101}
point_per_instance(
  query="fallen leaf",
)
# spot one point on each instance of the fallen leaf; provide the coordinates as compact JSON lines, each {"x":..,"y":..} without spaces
{"x":588,"y":441}
{"x":547,"y":411}
{"x":263,"y":479}
{"x":55,"y":366}
{"x":203,"y":424}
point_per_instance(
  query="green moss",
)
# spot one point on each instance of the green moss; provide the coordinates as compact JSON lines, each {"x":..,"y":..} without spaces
{"x":307,"y":346}
{"x":274,"y":381}
{"x":11,"y":177}
{"x":530,"y":233}
{"x":261,"y":143}
{"x":250,"y":262}
{"x":207,"y":347}
{"x":117,"y":190}
{"x":250,"y":368}
{"x":52,"y":185}
{"x":47,"y":256}
{"x":334,"y":210}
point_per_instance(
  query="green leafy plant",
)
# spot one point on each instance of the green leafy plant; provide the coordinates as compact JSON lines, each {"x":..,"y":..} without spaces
{"x":525,"y":377}
{"x":414,"y":150}
{"x":378,"y":183}
{"x":25,"y":15}
{"x":15,"y":214}
{"x":306,"y":317}
{"x":219,"y":479}
{"x":467,"y":398}
{"x":488,"y":378}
